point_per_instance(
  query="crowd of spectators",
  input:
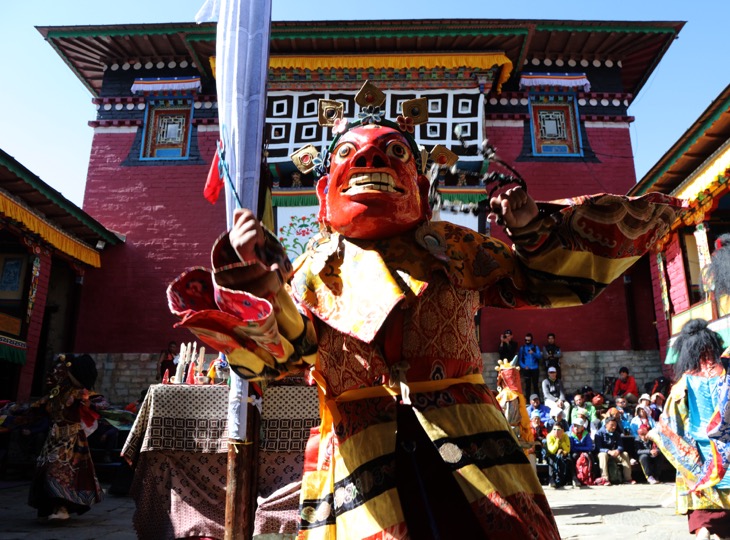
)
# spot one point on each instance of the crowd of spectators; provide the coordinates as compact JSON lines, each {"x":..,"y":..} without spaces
{"x":587,"y":438}
{"x":595,"y":444}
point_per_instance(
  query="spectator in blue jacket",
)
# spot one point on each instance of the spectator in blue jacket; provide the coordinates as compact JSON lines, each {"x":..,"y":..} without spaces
{"x":580,"y":443}
{"x":529,"y":356}
{"x":536,"y":405}
{"x":611,"y":450}
{"x":580,"y":438}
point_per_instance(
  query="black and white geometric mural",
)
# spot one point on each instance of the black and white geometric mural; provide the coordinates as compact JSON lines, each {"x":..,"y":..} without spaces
{"x":292,"y":118}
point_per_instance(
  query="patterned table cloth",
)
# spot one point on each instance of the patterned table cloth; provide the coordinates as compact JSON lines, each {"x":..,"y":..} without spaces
{"x":178,"y":446}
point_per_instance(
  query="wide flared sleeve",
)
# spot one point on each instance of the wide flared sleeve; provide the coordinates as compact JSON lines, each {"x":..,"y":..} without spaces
{"x":244,"y":310}
{"x":577,"y":247}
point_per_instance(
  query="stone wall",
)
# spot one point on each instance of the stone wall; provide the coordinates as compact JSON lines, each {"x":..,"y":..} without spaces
{"x":590,"y":367}
{"x":122,"y":376}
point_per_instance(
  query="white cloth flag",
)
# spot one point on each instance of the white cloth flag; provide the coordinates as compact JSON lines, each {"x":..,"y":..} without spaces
{"x":242,"y":63}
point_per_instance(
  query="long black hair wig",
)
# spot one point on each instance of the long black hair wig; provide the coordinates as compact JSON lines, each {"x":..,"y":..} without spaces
{"x":694,"y":339}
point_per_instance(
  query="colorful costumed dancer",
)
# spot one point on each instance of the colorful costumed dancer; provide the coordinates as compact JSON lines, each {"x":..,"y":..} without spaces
{"x":693,"y":431}
{"x":514,"y":405}
{"x":412,"y":443}
{"x":65,"y":481}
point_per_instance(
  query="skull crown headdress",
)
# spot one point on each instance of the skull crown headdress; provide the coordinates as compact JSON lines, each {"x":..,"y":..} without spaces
{"x":370,"y":98}
{"x":414,"y":112}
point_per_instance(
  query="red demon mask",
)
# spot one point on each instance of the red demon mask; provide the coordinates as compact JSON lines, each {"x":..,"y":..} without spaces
{"x":373,"y":189}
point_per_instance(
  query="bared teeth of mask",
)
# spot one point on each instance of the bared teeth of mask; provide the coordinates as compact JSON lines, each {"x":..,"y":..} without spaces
{"x":377,"y":181}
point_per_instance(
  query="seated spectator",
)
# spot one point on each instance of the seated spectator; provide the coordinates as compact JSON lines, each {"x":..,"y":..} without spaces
{"x":557,"y":416}
{"x":612,"y":414}
{"x":588,"y":393}
{"x":539,"y":434}
{"x":623,"y":409}
{"x":583,"y":407}
{"x":553,"y":393}
{"x":648,"y":455}
{"x":536,"y":405}
{"x":581,"y":447}
{"x":611,"y":451}
{"x":560,"y":466}
{"x":641,"y":418}
{"x":625,"y":386}
{"x":657,"y":405}
{"x":599,"y":402}
{"x":645,"y":401}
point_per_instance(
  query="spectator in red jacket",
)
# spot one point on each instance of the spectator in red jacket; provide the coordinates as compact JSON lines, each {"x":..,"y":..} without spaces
{"x":625,"y":386}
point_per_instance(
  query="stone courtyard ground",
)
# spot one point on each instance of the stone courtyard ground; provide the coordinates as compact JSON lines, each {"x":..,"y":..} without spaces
{"x":607,"y":513}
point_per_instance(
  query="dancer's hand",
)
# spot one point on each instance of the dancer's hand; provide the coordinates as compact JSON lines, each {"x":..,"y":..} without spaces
{"x":515,"y":207}
{"x":246,"y":235}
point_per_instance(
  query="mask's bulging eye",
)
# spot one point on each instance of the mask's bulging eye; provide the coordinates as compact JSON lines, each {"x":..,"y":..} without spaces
{"x":398,"y":150}
{"x":345,"y":150}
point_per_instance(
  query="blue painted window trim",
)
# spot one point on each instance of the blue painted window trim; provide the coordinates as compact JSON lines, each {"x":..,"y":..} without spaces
{"x":148,"y":108}
{"x":578,"y":134}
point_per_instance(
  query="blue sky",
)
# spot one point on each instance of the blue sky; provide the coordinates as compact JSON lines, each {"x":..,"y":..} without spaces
{"x":44,"y":108}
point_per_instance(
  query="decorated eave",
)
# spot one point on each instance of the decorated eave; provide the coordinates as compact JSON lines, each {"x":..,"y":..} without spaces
{"x":31,"y":205}
{"x":636,"y":47}
{"x":697,"y":166}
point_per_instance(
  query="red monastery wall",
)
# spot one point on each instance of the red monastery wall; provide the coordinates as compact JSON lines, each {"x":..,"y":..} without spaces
{"x":168,"y":226}
{"x":602,"y":324}
{"x":152,"y":206}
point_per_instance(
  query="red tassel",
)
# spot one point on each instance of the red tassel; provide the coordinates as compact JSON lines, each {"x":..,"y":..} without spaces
{"x":214,"y":183}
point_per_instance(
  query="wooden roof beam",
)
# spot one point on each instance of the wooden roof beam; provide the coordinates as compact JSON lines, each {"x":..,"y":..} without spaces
{"x":203,"y":65}
{"x":622,"y":46}
{"x":110,"y":46}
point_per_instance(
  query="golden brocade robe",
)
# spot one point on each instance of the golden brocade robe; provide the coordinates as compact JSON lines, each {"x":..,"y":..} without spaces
{"x":394,"y":310}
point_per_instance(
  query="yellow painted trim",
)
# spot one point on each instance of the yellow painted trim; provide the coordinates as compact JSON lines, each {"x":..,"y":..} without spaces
{"x":705,"y":178}
{"x":58,"y":239}
{"x":387,"y":61}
